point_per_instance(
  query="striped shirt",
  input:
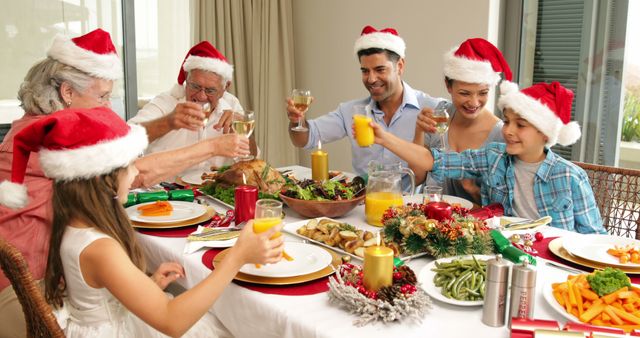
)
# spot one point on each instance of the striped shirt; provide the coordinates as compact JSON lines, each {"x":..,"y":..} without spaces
{"x":560,"y":188}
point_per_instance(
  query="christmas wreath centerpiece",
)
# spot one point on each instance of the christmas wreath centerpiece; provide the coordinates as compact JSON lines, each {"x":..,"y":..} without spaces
{"x":450,"y":231}
{"x":403,"y":299}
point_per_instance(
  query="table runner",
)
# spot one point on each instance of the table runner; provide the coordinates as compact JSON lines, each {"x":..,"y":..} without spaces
{"x":303,"y":289}
{"x":543,"y":251}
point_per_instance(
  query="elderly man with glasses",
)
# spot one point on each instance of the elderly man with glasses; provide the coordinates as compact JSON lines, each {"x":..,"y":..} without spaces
{"x":197,"y":107}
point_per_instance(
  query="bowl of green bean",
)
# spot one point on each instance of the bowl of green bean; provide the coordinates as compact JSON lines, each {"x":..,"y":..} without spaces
{"x":457,"y":280}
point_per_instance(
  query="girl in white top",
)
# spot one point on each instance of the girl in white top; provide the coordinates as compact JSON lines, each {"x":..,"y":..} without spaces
{"x":95,"y":264}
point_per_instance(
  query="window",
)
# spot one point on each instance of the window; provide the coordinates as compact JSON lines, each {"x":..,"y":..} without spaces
{"x":26,"y":41}
{"x":582,"y":45}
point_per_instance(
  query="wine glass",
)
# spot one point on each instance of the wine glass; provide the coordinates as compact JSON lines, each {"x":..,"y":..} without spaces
{"x":243,"y":124}
{"x":301,"y":100}
{"x":441,"y":117}
{"x":206,"y":109}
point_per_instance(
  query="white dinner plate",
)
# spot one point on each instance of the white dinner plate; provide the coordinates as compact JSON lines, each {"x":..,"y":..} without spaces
{"x":426,"y":279}
{"x":594,"y":248}
{"x":307,"y":258}
{"x":193,"y":177}
{"x":418,"y":198}
{"x":182,"y":211}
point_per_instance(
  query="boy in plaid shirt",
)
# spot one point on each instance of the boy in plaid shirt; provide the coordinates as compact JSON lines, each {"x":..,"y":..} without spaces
{"x":523,"y":174}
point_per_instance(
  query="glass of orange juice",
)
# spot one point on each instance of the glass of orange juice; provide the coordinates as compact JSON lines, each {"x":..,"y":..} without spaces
{"x":364,"y":132}
{"x":268,"y":214}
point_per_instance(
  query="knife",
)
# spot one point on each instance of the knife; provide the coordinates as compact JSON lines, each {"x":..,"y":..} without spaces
{"x":219,"y":236}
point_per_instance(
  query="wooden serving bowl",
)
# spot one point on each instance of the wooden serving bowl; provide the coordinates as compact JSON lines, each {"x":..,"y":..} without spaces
{"x":313,"y":209}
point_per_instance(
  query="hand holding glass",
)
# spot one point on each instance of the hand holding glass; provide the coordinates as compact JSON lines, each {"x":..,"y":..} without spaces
{"x":301,"y":100}
{"x":364,"y":132}
{"x":243,"y":124}
{"x":268,"y":214}
{"x":441,"y":117}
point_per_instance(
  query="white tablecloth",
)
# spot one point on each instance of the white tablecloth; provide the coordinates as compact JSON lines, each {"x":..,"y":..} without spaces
{"x":247,"y":313}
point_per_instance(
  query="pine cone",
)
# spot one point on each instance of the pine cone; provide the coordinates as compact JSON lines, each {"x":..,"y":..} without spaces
{"x":389,"y":293}
{"x":408,"y":276}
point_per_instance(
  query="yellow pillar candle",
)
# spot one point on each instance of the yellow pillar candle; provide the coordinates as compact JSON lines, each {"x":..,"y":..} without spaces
{"x":319,"y":164}
{"x":378,"y":267}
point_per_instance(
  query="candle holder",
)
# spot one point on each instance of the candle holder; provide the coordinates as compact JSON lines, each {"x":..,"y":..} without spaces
{"x":401,"y":300}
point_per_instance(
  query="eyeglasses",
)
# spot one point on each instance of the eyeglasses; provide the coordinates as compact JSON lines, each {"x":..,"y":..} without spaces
{"x":210,"y":91}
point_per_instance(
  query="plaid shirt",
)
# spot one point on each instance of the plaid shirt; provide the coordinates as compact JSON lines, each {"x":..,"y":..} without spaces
{"x":561,"y":189}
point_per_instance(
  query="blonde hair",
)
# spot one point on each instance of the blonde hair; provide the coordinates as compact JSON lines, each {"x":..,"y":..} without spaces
{"x":90,"y":201}
{"x":39,"y":93}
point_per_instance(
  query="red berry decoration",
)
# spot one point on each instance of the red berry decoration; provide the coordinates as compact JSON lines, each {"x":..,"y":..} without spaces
{"x":539,"y":236}
{"x":397,"y":275}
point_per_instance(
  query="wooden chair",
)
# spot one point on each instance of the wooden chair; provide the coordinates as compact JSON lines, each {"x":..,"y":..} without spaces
{"x":37,"y":312}
{"x":617,"y":193}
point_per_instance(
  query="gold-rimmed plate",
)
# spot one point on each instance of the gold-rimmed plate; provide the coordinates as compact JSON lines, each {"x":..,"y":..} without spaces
{"x":556,"y":247}
{"x":327,"y":271}
{"x":205,"y":217}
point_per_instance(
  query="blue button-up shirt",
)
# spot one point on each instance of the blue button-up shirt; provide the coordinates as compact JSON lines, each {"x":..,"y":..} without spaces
{"x":561,"y":189}
{"x":337,"y":124}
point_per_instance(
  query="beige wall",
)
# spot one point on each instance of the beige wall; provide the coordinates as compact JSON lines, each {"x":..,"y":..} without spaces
{"x":324,"y":33}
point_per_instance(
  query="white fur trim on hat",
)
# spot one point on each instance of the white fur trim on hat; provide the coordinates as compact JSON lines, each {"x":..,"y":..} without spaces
{"x":531,"y":110}
{"x":93,"y":160}
{"x":467,"y":70}
{"x":383,"y":40}
{"x":103,"y":66}
{"x":13,"y":195}
{"x":217,"y":66}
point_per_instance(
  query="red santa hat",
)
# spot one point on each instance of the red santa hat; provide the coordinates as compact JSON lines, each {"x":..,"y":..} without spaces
{"x":92,"y":53}
{"x":204,"y":56}
{"x":72,"y":144}
{"x":547,"y":106}
{"x":386,"y":38}
{"x":476,"y":61}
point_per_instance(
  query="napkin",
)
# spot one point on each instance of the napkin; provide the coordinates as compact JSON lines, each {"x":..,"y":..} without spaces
{"x":193,"y":246}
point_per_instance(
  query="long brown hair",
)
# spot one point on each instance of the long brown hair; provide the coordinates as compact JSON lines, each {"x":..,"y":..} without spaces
{"x":90,"y":201}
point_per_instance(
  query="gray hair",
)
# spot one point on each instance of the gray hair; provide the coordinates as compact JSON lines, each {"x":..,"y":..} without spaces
{"x":39,"y":93}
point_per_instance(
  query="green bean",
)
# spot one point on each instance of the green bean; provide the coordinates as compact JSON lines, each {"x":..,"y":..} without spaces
{"x":461,"y":279}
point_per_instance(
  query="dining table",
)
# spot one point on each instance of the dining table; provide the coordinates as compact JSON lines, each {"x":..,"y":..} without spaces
{"x":248,"y":313}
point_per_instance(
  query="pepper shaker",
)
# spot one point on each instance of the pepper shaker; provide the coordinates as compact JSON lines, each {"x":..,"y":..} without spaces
{"x":523,"y":291}
{"x":495,"y":295}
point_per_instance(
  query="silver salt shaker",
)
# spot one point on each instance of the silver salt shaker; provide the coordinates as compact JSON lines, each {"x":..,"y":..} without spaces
{"x":523,"y":291}
{"x":495,"y":294}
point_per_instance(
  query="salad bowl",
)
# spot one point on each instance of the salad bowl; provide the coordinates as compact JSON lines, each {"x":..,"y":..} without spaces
{"x":314,"y":208}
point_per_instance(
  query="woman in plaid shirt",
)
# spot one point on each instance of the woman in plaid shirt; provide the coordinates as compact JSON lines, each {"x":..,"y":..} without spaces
{"x":523,"y":174}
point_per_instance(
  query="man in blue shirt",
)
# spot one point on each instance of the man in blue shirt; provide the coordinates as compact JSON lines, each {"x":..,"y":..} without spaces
{"x":392,"y":103}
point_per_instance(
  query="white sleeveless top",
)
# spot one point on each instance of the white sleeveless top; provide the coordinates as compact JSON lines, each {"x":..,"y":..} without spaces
{"x":95,"y":312}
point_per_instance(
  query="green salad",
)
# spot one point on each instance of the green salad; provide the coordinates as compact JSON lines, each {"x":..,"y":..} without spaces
{"x":310,"y":190}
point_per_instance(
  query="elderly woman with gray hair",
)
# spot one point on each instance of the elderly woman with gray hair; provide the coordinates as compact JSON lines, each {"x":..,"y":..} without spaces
{"x":77,"y":73}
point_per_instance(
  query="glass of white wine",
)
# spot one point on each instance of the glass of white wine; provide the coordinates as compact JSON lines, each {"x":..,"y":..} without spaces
{"x":441,"y":117}
{"x":243,"y":124}
{"x":206,"y":109}
{"x":301,"y":100}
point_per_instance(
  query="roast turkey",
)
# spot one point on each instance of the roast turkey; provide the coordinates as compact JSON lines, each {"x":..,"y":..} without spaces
{"x":257,"y":172}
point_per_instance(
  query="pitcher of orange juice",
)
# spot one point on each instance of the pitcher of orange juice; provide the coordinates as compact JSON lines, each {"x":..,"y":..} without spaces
{"x":384,"y":189}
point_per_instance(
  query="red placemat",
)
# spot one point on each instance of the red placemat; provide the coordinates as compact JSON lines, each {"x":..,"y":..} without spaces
{"x":303,"y":289}
{"x":543,"y":251}
{"x":174,"y":232}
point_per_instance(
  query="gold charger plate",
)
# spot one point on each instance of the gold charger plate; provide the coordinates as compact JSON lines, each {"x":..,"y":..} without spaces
{"x":327,"y":271}
{"x":556,"y":247}
{"x":205,"y":217}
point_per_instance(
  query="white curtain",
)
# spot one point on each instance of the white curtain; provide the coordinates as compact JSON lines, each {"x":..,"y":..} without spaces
{"x":256,"y":36}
